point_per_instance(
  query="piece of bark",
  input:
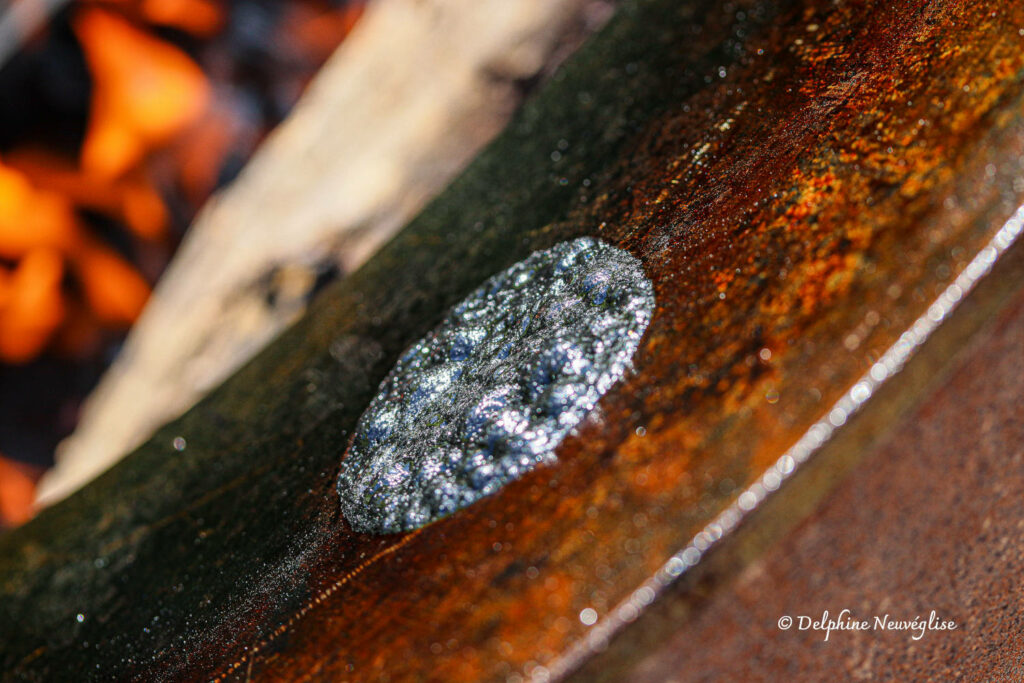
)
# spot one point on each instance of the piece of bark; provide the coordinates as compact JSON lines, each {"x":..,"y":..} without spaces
{"x":930,"y":522}
{"x":800,"y":179}
{"x":408,"y":99}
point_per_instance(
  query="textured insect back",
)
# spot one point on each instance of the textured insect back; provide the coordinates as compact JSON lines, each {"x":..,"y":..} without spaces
{"x":490,"y":393}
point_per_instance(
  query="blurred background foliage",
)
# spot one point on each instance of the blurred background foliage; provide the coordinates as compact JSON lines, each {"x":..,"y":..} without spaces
{"x":118,"y":119}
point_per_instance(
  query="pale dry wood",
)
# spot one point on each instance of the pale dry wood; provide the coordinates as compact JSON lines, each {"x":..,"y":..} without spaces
{"x":408,"y":99}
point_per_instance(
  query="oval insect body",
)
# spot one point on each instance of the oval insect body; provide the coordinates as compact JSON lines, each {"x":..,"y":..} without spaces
{"x":488,"y":394}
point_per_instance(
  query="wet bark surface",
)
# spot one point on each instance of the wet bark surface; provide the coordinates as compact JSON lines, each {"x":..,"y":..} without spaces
{"x":928,"y":523}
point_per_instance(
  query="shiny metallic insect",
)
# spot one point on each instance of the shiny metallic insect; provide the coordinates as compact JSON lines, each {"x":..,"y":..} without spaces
{"x":490,"y":392}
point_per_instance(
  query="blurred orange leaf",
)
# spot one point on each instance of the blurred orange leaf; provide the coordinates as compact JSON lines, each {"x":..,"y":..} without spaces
{"x":31,"y":305}
{"x":199,"y":17}
{"x":17,"y":492}
{"x":32,"y":218}
{"x":114,"y":290}
{"x":146,"y":90}
{"x":132,"y":198}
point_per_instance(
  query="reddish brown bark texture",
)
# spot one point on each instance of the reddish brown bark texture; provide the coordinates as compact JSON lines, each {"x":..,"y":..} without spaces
{"x":931,"y":521}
